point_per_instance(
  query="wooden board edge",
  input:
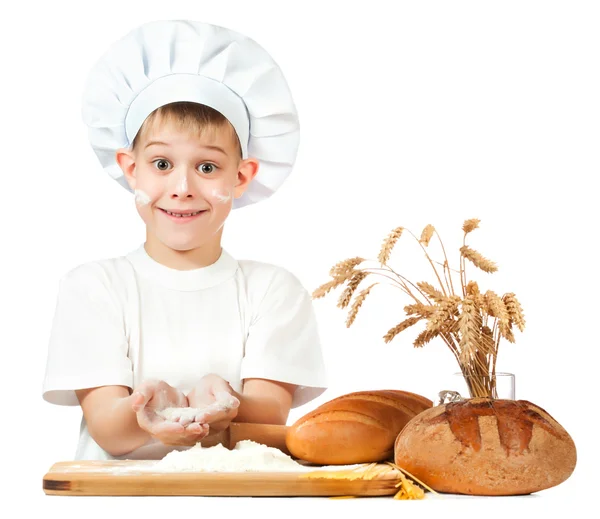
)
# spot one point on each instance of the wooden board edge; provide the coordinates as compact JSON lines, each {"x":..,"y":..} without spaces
{"x":191,"y":485}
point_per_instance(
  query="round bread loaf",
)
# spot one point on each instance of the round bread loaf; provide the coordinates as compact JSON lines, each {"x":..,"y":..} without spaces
{"x":486,"y":447}
{"x":357,"y":427}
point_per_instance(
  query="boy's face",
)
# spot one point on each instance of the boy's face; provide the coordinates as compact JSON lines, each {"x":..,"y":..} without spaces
{"x":178,"y":172}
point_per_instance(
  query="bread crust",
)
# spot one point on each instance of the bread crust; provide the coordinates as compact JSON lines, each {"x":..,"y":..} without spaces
{"x":358,"y":427}
{"x":486,"y":447}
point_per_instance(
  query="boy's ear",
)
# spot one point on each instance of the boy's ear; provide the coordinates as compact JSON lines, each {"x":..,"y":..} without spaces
{"x":247,"y":170}
{"x":126,"y":161}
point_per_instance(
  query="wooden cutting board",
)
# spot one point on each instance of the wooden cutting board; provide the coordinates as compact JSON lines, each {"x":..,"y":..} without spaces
{"x":137,"y":478}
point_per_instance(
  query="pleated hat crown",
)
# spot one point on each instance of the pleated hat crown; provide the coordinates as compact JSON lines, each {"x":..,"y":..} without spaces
{"x":163,"y":62}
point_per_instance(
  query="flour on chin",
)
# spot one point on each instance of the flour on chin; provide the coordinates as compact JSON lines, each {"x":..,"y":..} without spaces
{"x":247,"y":456}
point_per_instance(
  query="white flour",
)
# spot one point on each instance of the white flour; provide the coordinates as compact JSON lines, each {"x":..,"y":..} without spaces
{"x":224,"y":403}
{"x":247,"y":456}
{"x":175,"y":414}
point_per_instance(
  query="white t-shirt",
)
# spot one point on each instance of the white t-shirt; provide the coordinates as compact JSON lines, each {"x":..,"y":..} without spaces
{"x":123,"y":320}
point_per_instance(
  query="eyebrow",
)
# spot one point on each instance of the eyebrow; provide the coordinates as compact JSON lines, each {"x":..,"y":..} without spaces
{"x":160,"y":143}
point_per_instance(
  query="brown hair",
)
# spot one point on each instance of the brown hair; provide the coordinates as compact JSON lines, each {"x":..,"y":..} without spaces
{"x":191,"y":117}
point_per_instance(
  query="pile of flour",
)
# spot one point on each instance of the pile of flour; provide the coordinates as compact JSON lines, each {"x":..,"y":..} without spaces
{"x":176,"y":414}
{"x":247,"y":456}
{"x":224,"y":402}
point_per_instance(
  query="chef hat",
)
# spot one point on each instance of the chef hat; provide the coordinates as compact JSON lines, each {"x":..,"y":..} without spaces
{"x":162,"y":62}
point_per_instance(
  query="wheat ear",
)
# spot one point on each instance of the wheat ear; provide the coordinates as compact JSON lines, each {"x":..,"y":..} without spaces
{"x":477,"y":259}
{"x":468,"y":332}
{"x":470,"y":225}
{"x":444,"y":313}
{"x":407,"y":323}
{"x":330,"y":285}
{"x":358,"y":301}
{"x":419,"y":309}
{"x":514,"y":310}
{"x":424,"y":337}
{"x":355,"y":280}
{"x":388,"y":245}
{"x":496,"y":308}
{"x":342,"y":268}
{"x":432,"y":292}
{"x":426,"y":234}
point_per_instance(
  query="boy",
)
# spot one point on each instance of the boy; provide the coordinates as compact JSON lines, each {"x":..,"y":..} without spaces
{"x":196,"y":120}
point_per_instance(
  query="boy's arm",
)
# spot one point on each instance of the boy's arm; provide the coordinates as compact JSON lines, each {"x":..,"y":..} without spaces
{"x":120,"y":422}
{"x":111,"y":420}
{"x":265,"y":401}
{"x":261,"y":401}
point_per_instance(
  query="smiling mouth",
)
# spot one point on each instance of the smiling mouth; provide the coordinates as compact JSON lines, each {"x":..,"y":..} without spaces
{"x":182,"y":214}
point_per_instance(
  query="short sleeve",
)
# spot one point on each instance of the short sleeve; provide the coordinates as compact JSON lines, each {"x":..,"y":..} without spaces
{"x":88,"y":345}
{"x":283,"y":341}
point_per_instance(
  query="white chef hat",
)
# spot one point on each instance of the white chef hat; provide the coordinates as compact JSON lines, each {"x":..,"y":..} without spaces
{"x":161,"y":62}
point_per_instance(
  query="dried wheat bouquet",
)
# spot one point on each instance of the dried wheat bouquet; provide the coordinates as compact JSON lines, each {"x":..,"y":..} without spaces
{"x":470,"y":322}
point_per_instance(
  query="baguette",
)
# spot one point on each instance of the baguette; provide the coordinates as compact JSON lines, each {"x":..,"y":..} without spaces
{"x":358,"y":427}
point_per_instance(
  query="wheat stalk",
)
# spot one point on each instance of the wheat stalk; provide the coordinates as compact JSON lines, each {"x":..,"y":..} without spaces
{"x":432,"y":292}
{"x":407,"y":323}
{"x":496,"y":307}
{"x":431,"y":262}
{"x":419,"y":309}
{"x":470,"y":225}
{"x":514,"y":310}
{"x":388,"y":245}
{"x":468,"y":331}
{"x":424,"y":337}
{"x":352,"y":285}
{"x":426,"y":234}
{"x":343,"y":268}
{"x":444,"y":314}
{"x":472,"y":323}
{"x":324,"y":289}
{"x":477,"y":259}
{"x":358,"y":301}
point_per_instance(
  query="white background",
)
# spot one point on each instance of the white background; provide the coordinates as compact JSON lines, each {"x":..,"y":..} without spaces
{"x":411,"y":113}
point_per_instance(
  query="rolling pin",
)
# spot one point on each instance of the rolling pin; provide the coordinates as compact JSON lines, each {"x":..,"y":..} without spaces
{"x":267,"y":434}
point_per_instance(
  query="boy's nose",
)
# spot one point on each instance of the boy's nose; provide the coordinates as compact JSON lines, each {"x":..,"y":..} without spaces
{"x":181,"y":183}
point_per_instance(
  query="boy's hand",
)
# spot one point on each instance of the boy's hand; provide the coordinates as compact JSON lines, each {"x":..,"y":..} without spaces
{"x":156,"y":395}
{"x":217,"y":400}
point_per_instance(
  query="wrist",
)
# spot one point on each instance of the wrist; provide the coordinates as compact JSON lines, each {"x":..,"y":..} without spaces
{"x":117,"y":430}
{"x":258,"y":409}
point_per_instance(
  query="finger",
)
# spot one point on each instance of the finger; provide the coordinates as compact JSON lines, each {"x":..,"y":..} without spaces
{"x":141,"y":397}
{"x":219,"y":426}
{"x":226,"y":399}
{"x":166,"y":428}
{"x":216,"y":414}
{"x":226,"y":404}
{"x":207,"y":413}
{"x":137,"y":401}
{"x":144,"y":421}
{"x":185,"y":420}
{"x":198,"y":428}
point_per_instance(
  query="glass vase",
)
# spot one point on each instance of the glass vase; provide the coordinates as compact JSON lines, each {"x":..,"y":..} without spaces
{"x":500,"y":385}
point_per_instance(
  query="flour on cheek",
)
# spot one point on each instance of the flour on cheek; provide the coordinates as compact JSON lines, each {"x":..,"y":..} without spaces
{"x":141,"y":197}
{"x":222,"y":196}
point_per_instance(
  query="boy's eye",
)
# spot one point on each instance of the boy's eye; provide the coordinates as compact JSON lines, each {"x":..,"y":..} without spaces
{"x":160,"y":162}
{"x":207,"y":167}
